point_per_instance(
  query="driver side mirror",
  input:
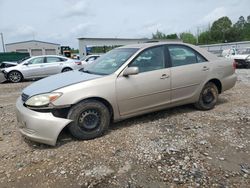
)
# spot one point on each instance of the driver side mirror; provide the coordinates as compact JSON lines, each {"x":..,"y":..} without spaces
{"x":27,"y":63}
{"x":131,"y":71}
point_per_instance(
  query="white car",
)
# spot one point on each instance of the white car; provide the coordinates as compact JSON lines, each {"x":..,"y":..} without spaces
{"x":241,"y":57}
{"x":89,"y":59}
{"x":39,"y":67}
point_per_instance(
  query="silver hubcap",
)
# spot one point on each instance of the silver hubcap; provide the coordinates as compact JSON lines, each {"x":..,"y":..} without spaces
{"x":15,"y":76}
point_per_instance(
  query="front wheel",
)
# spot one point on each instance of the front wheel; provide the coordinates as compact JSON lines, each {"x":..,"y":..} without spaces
{"x":15,"y":76}
{"x":91,"y":119}
{"x":208,"y":97}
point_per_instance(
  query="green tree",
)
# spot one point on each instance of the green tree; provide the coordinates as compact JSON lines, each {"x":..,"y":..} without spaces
{"x":240,"y":24}
{"x":233,"y":35}
{"x":220,"y":29}
{"x":159,"y":35}
{"x":172,"y":36}
{"x":248,"y":19}
{"x":246,"y":30}
{"x":188,"y":38}
{"x":205,"y":38}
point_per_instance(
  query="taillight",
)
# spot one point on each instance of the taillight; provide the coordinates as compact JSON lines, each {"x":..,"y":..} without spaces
{"x":234,"y":64}
{"x":78,"y":62}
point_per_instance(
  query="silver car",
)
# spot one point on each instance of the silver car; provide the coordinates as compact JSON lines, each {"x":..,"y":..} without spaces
{"x":89,"y":59}
{"x":125,"y":82}
{"x":39,"y":67}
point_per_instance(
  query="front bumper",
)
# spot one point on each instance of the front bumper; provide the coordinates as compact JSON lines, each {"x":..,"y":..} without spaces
{"x":2,"y":77}
{"x":38,"y":126}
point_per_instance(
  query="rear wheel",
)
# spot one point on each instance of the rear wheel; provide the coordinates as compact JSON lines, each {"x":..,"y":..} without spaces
{"x":208,"y":97}
{"x":91,"y":119}
{"x":66,"y":69}
{"x":15,"y":76}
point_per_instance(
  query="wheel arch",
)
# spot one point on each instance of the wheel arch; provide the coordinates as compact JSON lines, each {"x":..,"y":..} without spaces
{"x":217,"y":83}
{"x":102,"y":100}
{"x":66,"y":68}
{"x":15,"y":71}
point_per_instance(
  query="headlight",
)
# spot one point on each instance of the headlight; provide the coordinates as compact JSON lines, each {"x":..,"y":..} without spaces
{"x":43,"y":99}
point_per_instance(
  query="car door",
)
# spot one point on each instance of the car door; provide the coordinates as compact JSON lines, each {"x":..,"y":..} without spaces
{"x":189,"y":70}
{"x":53,"y":65}
{"x":33,"y":67}
{"x":148,"y":89}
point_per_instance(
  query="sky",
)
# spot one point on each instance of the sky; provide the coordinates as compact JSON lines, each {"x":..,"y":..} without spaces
{"x":63,"y":21}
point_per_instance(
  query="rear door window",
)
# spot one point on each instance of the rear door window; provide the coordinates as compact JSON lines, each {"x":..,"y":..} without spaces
{"x":53,"y":59}
{"x":182,"y":55}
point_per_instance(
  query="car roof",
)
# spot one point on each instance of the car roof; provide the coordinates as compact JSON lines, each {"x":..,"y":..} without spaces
{"x":209,"y":56}
{"x":49,"y":56}
{"x":149,"y":44}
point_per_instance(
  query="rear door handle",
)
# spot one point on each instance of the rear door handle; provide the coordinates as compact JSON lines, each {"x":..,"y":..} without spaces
{"x":205,"y":68}
{"x":164,"y":76}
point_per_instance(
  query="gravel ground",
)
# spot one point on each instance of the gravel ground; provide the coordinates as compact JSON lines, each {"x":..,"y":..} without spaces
{"x":178,"y":147}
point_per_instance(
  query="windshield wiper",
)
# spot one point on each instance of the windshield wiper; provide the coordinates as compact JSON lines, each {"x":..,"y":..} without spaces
{"x":89,"y":72}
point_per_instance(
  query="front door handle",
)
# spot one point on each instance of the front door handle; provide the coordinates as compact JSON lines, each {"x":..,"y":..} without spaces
{"x":164,"y":76}
{"x":205,"y":68}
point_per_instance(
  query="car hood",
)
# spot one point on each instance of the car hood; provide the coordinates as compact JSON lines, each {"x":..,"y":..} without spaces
{"x":7,"y":64}
{"x":10,"y":63}
{"x":240,"y":56}
{"x":58,"y":81}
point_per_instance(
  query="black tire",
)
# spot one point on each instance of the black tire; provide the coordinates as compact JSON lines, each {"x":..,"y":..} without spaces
{"x":91,"y":119}
{"x":15,"y":76}
{"x":67,"y":69}
{"x":208,"y":97}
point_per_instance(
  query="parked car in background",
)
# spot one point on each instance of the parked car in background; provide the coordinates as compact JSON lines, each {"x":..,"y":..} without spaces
{"x":89,"y":59}
{"x":39,"y":67}
{"x":228,"y":53}
{"x":125,"y":82}
{"x":75,"y":56}
{"x":242,"y":59}
{"x":6,"y":64}
{"x":240,"y":56}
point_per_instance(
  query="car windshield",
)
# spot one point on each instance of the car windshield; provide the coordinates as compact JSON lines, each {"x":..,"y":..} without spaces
{"x":21,"y":60}
{"x":110,"y":62}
